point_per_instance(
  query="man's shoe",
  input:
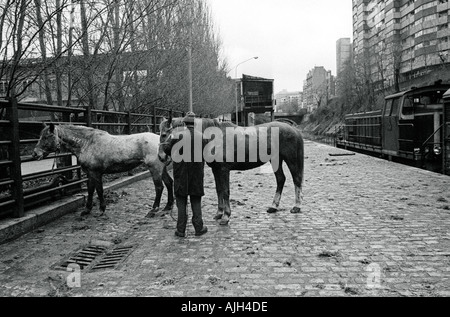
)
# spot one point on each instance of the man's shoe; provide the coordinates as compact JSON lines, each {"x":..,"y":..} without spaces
{"x":202,"y":232}
{"x":180,"y":234}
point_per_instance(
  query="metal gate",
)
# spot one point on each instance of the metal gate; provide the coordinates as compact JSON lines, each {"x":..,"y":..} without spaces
{"x":20,"y":125}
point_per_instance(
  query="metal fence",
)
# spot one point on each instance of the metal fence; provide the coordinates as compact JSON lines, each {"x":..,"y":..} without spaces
{"x":60,"y":174}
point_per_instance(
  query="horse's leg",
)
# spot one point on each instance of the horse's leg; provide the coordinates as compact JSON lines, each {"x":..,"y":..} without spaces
{"x":156,"y":169}
{"x":98,"y":181}
{"x":296,"y":169}
{"x":89,"y":202}
{"x":159,"y":188}
{"x":219,"y":191}
{"x":225,"y":180}
{"x":168,"y":181}
{"x":281,"y":179}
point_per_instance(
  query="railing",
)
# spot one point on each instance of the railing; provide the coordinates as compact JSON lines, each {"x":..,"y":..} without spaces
{"x":366,"y":133}
{"x":59,"y":175}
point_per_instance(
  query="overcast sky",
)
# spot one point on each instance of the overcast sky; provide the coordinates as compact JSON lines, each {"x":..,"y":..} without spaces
{"x":289,"y":37}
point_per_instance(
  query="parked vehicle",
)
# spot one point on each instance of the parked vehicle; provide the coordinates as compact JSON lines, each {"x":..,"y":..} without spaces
{"x":254,"y":95}
{"x":409,"y":128}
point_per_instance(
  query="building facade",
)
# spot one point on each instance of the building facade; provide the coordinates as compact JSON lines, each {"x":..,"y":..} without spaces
{"x":343,"y":54}
{"x":399,"y":40}
{"x":318,"y":88}
{"x":288,"y":101}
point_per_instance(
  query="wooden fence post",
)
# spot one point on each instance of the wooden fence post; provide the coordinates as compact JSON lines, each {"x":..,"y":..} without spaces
{"x":154,"y":120}
{"x":88,"y":115}
{"x":129,"y":121}
{"x":14,"y":151}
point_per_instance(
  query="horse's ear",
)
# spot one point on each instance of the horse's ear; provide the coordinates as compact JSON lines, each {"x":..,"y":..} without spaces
{"x":52,"y":127}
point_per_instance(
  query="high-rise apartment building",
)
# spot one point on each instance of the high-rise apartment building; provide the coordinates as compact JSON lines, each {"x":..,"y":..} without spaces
{"x":399,"y":40}
{"x":343,"y":54}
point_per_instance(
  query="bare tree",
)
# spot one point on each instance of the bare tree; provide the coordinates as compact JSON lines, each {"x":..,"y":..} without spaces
{"x":118,"y":55}
{"x":40,"y":24}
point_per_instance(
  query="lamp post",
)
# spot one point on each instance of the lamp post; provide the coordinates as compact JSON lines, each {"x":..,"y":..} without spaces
{"x":235,"y":76}
{"x":190,"y":71}
{"x":189,"y":51}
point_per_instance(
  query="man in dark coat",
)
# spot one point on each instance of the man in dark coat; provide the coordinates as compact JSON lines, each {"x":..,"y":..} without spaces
{"x":188,"y":181}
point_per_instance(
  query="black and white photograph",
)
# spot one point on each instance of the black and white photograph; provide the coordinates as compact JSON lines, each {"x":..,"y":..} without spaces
{"x":225,"y":156}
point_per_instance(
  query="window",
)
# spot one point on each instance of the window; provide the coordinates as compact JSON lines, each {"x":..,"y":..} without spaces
{"x":408,"y":107}
{"x":395,"y":106}
{"x":418,"y":22}
{"x":3,"y":87}
{"x":430,"y":17}
{"x":387,"y":110}
{"x":430,"y":30}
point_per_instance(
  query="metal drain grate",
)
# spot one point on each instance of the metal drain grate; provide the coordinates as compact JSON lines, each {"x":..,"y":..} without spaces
{"x":94,"y":258}
{"x":83,"y":258}
{"x":113,"y":258}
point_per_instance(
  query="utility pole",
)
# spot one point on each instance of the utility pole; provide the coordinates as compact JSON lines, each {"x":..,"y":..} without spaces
{"x":69,"y":55}
{"x":190,"y":70}
{"x":189,"y":49}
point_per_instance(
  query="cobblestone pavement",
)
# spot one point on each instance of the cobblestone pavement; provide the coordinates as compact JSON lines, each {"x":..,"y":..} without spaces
{"x":368,"y":227}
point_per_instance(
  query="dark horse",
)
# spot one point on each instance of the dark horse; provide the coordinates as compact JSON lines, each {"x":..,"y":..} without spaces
{"x":222,"y":159}
{"x":99,"y":152}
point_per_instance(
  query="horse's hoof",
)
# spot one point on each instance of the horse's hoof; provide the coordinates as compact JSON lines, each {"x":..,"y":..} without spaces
{"x":224,"y":221}
{"x":154,"y":210}
{"x":151,"y":214}
{"x":272,"y":210}
{"x":101,"y":215}
{"x":296,"y":210}
{"x":218,"y":216}
{"x":79,"y":218}
{"x":168,"y":208}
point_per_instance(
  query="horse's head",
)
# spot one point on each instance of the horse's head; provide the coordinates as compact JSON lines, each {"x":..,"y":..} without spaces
{"x":168,"y":138}
{"x":48,"y":142}
{"x":165,"y":128}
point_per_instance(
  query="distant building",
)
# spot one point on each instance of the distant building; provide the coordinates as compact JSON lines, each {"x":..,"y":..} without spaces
{"x":400,"y":40}
{"x":343,"y":57}
{"x":343,"y":54}
{"x":288,"y":101}
{"x":318,"y":88}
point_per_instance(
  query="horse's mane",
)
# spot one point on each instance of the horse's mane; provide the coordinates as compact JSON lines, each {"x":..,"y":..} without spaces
{"x":85,"y":131}
{"x":216,"y":123}
{"x":206,"y":123}
{"x":288,"y":121}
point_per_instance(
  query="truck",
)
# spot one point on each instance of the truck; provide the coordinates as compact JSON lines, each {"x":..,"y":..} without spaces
{"x":253,"y":95}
